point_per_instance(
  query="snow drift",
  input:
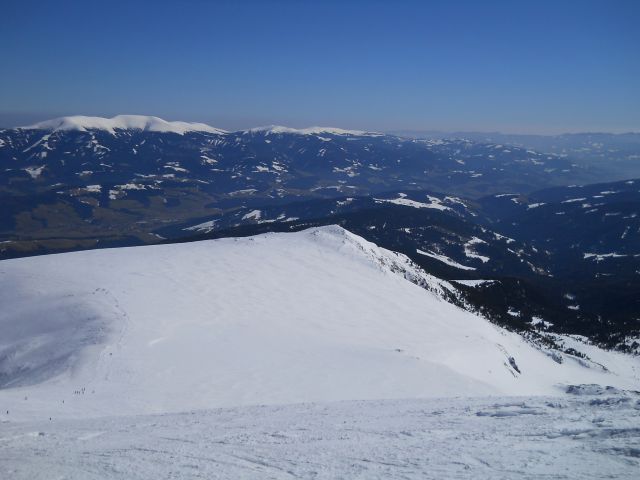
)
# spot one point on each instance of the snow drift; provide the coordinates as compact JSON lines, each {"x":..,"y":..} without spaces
{"x":317,"y":315}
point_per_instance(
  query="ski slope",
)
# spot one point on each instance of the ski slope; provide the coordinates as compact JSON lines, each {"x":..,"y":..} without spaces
{"x":315,"y":316}
{"x":582,"y":437}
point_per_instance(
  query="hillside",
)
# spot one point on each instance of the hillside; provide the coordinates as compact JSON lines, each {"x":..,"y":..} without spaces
{"x":318,"y":315}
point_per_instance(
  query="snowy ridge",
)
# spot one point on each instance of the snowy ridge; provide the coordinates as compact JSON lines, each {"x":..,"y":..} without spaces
{"x":122,"y":122}
{"x":278,"y":129}
{"x":155,"y":124}
{"x":344,"y":241}
{"x":316,"y":315}
{"x":402,"y":199}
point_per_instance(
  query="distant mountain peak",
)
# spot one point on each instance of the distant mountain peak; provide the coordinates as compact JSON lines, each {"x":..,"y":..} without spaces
{"x":122,"y":122}
{"x":277,"y":129}
{"x":148,"y":123}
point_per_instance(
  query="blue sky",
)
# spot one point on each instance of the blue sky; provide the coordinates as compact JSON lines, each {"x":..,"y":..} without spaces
{"x":513,"y":66}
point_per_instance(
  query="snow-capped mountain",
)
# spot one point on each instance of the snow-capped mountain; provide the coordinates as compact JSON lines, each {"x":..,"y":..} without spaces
{"x":279,"y":129}
{"x":82,"y":123}
{"x":85,"y":182}
{"x":317,"y":315}
{"x":273,"y":161}
{"x":115,"y":181}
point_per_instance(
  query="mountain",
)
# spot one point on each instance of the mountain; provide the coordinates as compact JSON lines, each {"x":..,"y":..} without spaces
{"x":121,"y":122}
{"x":323,"y":303}
{"x":81,"y":182}
{"x":564,"y":260}
{"x":596,"y":224}
{"x":317,"y":315}
{"x":531,"y":256}
{"x":613,"y":156}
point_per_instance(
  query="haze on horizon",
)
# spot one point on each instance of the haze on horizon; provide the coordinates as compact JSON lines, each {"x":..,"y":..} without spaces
{"x":526,"y":67}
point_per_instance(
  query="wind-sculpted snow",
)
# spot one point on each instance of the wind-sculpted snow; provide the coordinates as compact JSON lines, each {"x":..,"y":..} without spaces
{"x":48,"y":335}
{"x":591,"y":436}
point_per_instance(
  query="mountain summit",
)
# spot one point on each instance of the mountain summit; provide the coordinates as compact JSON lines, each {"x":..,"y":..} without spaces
{"x":121,"y":122}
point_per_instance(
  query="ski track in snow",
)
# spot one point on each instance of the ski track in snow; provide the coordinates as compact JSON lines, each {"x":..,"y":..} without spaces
{"x":500,"y":438}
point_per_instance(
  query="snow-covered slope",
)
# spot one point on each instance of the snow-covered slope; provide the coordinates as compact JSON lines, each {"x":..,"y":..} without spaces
{"x":277,"y":129}
{"x":122,"y":122}
{"x":576,"y":436}
{"x":317,"y":315}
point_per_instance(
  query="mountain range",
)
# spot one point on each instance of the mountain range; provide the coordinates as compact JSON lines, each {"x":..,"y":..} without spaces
{"x":534,"y":241}
{"x":313,"y":303}
{"x":80,"y":182}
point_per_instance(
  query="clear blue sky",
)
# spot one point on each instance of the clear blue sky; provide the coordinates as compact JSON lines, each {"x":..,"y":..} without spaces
{"x":516,"y":66}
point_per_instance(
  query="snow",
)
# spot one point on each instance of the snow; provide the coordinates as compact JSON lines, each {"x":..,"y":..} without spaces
{"x":444,"y":259}
{"x":497,"y":236}
{"x":132,"y":186}
{"x":434,"y":202}
{"x":122,"y":122}
{"x":450,"y":199}
{"x":34,"y":172}
{"x":317,"y":315}
{"x":155,"y":124}
{"x":204,"y":227}
{"x":540,"y":321}
{"x":278,"y":167}
{"x":208,"y":160}
{"x":177,"y":169}
{"x":252,"y":215}
{"x":599,"y":257}
{"x":44,"y":141}
{"x":246,"y":191}
{"x":474,"y":283}
{"x":589,"y":433}
{"x":278,"y":129}
{"x":471,"y":253}
{"x":329,"y":356}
